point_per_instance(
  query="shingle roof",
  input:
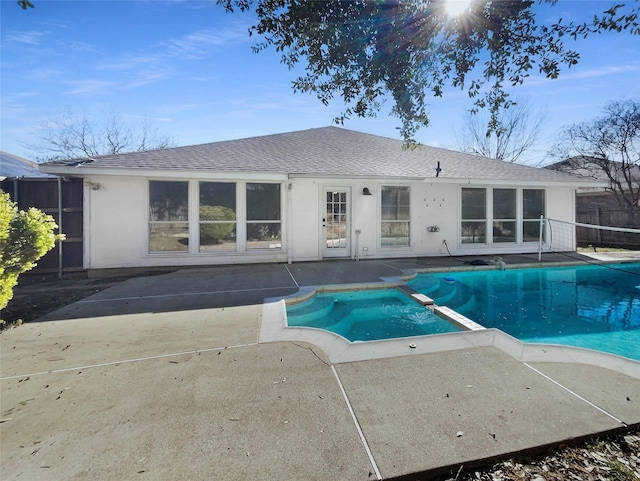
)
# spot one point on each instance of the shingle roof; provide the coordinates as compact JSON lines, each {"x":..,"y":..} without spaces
{"x":14,"y":167}
{"x":327,"y":151}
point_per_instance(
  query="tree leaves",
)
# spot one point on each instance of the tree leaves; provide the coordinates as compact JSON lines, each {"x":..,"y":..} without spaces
{"x":24,"y":4}
{"x":25,"y":236}
{"x":364,"y":51}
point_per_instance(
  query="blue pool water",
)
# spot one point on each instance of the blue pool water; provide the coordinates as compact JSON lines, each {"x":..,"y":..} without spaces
{"x":367,"y":315}
{"x":596,"y":307}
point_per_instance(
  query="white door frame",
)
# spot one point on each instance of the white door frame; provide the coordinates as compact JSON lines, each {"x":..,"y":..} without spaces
{"x":335,"y":215}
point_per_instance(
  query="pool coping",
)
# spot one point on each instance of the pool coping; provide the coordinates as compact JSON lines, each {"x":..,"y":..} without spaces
{"x":339,"y":350}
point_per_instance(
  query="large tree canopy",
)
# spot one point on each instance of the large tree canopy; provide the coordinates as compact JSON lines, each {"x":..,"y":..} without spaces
{"x":364,"y":50}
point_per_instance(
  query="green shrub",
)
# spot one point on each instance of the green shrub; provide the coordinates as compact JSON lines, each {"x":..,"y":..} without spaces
{"x":25,"y":236}
{"x":214,"y":233}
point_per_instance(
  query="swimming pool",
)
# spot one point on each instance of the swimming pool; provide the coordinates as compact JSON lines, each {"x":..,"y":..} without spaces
{"x":592,"y":306}
{"x":367,"y":315}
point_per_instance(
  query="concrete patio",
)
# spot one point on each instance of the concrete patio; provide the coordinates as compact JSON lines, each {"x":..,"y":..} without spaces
{"x":166,"y":377}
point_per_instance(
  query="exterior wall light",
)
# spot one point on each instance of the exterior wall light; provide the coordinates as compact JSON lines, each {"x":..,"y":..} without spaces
{"x":366,"y":191}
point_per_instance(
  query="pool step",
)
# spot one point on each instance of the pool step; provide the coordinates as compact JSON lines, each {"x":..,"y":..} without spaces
{"x":310,"y":313}
{"x":452,"y":293}
{"x":422,"y":299}
{"x":444,"y":311}
{"x":416,"y":296}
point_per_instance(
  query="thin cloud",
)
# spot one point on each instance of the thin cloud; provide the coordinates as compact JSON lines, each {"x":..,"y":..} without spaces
{"x":584,"y":74}
{"x":129,"y":63}
{"x":144,"y":69}
{"x":188,"y":47}
{"x":19,"y":96}
{"x":14,"y":106}
{"x":90,"y":86}
{"x":81,"y":47}
{"x":145,"y":78}
{"x":601,"y":72}
{"x":28,"y":38}
{"x":51,"y":74}
{"x":173,"y":109}
{"x":200,"y":43}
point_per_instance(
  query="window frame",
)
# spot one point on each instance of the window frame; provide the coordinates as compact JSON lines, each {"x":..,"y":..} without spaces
{"x":269,"y":222}
{"x":398,"y":207}
{"x":170,"y":223}
{"x":513,"y":220}
{"x":530,"y":220}
{"x":192,"y":225}
{"x":520,"y":219}
{"x":475,"y":220}
{"x":220,"y":222}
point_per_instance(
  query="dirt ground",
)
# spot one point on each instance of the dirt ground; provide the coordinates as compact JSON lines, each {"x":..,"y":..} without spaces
{"x":611,"y":458}
{"x":37,"y":295}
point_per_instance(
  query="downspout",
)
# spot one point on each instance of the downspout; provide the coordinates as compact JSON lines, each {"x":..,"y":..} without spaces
{"x":86,"y":230}
{"x":289,"y":228}
{"x":540,"y":238}
{"x":60,"y":269}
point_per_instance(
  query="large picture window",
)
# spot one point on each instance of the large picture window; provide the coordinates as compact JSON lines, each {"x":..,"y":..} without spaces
{"x":396,"y":216}
{"x":499,"y":208}
{"x":504,"y":215}
{"x":217,"y":216}
{"x":533,"y":206}
{"x":168,"y":216}
{"x":474,"y":216}
{"x":214,"y":217}
{"x":264,"y":225}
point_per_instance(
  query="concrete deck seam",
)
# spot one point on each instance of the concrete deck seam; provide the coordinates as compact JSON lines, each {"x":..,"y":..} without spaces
{"x":291,"y":274}
{"x":184,"y":294}
{"x":595,"y":406}
{"x":127,"y":361}
{"x":357,"y":424}
{"x":390,"y":266}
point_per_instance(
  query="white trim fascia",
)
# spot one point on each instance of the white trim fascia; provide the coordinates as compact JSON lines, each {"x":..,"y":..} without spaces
{"x":518,"y":183}
{"x":169,"y":173}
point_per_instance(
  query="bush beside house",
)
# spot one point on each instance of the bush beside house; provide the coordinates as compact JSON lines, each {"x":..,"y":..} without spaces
{"x":25,"y":236}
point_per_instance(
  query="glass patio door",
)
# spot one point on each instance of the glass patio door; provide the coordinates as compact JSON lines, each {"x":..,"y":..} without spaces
{"x":335,"y":223}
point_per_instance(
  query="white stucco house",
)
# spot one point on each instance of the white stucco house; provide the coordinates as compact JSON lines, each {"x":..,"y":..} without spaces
{"x":310,"y":195}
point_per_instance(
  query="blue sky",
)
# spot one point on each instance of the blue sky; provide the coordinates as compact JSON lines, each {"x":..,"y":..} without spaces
{"x":188,"y":68}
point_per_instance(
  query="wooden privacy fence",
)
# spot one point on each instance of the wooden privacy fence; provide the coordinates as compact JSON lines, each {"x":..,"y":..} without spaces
{"x":608,"y":218}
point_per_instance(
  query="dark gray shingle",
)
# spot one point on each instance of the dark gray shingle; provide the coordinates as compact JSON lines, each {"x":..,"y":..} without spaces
{"x":327,"y":151}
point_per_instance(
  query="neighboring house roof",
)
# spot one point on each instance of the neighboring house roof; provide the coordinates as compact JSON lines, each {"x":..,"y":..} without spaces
{"x":14,"y":167}
{"x":327,"y":151}
{"x":588,"y":167}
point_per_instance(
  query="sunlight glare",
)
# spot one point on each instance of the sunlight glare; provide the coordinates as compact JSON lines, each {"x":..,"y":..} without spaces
{"x":457,"y":7}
